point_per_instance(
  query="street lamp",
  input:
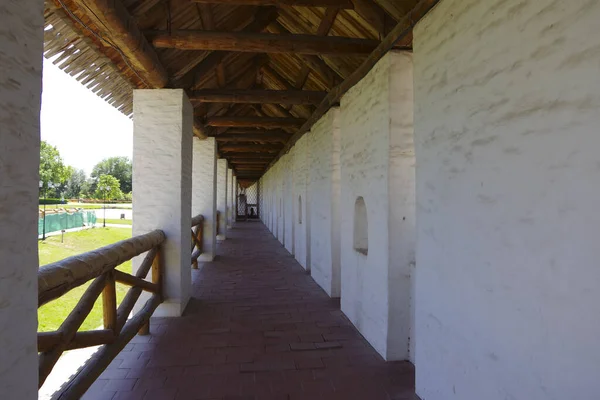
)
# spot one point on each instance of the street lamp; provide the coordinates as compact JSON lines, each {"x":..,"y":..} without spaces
{"x":104,"y":189}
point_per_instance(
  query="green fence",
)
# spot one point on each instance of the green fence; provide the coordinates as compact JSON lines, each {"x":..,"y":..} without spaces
{"x":58,"y":222}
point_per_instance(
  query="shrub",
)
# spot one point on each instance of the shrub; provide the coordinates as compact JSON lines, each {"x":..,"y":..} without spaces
{"x":49,"y":201}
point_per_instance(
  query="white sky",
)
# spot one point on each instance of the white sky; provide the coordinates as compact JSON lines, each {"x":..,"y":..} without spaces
{"x":83,"y":127}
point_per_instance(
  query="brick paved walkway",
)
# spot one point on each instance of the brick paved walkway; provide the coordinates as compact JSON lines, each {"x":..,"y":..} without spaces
{"x":257,"y":327}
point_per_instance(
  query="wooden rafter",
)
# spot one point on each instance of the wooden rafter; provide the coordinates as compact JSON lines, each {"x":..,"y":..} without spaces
{"x":278,"y":3}
{"x":257,"y":96}
{"x":403,"y":28}
{"x":263,"y":43}
{"x":255,"y":122}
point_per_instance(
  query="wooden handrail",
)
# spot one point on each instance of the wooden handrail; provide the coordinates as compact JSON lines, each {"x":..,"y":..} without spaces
{"x":54,"y":280}
{"x":197,"y":240}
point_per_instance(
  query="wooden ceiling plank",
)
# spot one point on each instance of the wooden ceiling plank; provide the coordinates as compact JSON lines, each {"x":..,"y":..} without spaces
{"x":255,"y":122}
{"x":257,"y":96}
{"x":212,"y":61}
{"x":375,"y":15}
{"x":402,"y":29}
{"x":347,"y":4}
{"x":125,"y":34}
{"x":264,"y":43}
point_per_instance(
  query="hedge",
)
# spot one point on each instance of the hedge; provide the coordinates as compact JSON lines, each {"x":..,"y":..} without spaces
{"x":52,"y":201}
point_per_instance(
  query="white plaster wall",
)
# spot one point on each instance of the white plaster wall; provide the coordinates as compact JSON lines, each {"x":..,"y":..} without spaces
{"x":21,"y":46}
{"x":162,"y":184}
{"x":324,"y":187}
{"x":378,"y":165}
{"x":507,"y":95}
{"x":222,"y":198}
{"x":288,"y":202}
{"x":234,"y":199}
{"x":204,"y":192}
{"x":300,"y":169}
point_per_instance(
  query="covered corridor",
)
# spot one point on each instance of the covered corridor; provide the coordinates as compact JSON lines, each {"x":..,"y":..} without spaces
{"x":257,"y":327}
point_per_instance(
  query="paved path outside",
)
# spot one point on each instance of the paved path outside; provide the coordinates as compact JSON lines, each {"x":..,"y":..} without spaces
{"x":258,"y":327}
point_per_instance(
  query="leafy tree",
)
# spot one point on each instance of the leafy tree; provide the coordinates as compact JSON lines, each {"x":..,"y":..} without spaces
{"x":53,"y":172}
{"x":119,"y":167}
{"x":108,"y":188}
{"x":75,"y":184}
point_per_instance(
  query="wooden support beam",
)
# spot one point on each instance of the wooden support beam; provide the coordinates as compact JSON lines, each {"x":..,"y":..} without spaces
{"x":123,"y":32}
{"x":249,"y":131}
{"x":402,"y":29}
{"x":255,"y":122}
{"x":249,"y":162}
{"x":264,"y":43}
{"x":251,"y":96}
{"x":212,"y":61}
{"x":265,"y":148}
{"x":265,"y":138}
{"x":376,"y":16}
{"x":250,"y":156}
{"x":347,"y":4}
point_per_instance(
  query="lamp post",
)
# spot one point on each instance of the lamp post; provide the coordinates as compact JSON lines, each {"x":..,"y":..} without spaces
{"x":104,"y":189}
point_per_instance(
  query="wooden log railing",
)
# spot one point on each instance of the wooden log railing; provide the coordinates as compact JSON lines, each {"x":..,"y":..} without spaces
{"x":54,"y":280}
{"x":197,"y":239}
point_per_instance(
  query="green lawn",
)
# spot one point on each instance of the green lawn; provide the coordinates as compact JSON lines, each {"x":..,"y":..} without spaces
{"x":51,"y":315}
{"x":99,"y":221}
{"x":96,"y":206}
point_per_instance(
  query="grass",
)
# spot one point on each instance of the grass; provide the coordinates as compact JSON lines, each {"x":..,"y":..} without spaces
{"x":51,"y":315}
{"x":114,"y":221}
{"x":97,"y":206}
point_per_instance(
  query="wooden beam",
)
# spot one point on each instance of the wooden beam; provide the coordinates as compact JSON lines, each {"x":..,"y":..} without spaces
{"x":248,"y":131}
{"x":212,"y":61}
{"x":403,"y":28}
{"x":257,"y":96}
{"x":255,"y":122}
{"x":264,"y":43}
{"x":229,"y":147}
{"x":250,"y":156}
{"x":266,"y":138}
{"x":124,"y":33}
{"x":347,"y":4}
{"x":249,"y":162}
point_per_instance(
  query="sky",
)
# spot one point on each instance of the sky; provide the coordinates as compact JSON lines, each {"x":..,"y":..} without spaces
{"x":83,"y":127}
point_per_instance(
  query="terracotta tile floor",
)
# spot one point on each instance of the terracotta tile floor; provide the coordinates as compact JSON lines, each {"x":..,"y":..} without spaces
{"x":257,"y":327}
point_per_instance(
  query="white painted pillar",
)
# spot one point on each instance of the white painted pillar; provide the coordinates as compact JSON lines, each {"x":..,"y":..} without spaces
{"x":234,"y":199}
{"x":229,"y":197}
{"x":21,"y":46}
{"x":222,"y":198}
{"x":162,"y":184}
{"x":378,"y":206}
{"x":204,"y":193}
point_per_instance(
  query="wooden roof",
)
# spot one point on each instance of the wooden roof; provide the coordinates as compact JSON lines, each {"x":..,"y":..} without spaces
{"x":258,"y":72}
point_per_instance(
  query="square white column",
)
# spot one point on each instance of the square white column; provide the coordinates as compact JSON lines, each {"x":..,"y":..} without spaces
{"x":229,"y":197}
{"x":234,"y":199}
{"x":162,"y":185}
{"x":378,"y":206}
{"x":21,"y":46}
{"x":204,"y":193}
{"x":222,"y":198}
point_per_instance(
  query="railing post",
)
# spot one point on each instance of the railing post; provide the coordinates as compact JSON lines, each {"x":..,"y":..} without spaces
{"x":109,"y":303}
{"x":157,"y":278}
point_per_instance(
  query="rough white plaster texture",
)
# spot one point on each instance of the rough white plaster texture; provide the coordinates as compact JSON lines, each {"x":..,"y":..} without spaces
{"x":378,"y":164}
{"x":229,"y":197}
{"x":324,"y":187}
{"x":204,"y":193}
{"x":21,"y":46}
{"x":507,"y":95}
{"x":234,"y":199}
{"x":300,"y":168}
{"x":162,"y":185}
{"x":222,"y":198}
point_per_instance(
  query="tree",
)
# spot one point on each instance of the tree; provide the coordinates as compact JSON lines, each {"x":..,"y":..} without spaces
{"x":119,"y":167}
{"x":108,"y":188}
{"x":52,"y":169}
{"x":75,"y":184}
